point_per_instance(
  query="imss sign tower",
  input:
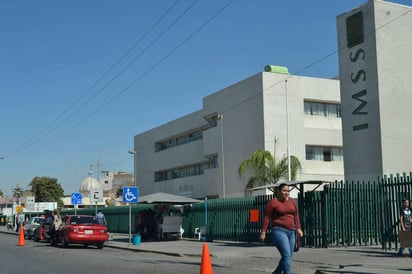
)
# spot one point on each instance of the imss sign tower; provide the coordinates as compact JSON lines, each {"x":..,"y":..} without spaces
{"x":375,"y":69}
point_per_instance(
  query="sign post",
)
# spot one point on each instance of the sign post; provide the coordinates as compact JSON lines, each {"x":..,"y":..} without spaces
{"x":96,"y":195}
{"x":130,"y":195}
{"x":76,"y":200}
{"x":30,"y":202}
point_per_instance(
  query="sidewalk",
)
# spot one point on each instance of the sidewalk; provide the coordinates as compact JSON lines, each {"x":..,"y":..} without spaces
{"x":370,"y":259}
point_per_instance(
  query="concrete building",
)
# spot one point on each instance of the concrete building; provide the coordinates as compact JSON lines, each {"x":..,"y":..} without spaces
{"x":112,"y":180}
{"x":199,"y":154}
{"x":375,"y":53}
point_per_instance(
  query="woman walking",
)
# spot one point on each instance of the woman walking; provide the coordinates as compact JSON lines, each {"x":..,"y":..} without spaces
{"x":285,"y":224}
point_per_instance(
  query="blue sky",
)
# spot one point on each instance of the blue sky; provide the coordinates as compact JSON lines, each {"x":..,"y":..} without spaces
{"x":78,"y":79}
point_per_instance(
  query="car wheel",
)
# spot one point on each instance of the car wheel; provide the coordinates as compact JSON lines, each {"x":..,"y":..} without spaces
{"x":100,"y":245}
{"x":36,"y":237}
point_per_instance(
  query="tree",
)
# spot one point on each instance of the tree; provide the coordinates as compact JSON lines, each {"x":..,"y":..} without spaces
{"x":266,"y":170}
{"x":46,"y":189}
{"x":17,"y":192}
{"x":1,"y":193}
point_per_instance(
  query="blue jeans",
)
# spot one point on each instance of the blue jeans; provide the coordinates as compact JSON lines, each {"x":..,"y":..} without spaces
{"x":402,"y":248}
{"x":284,"y":240}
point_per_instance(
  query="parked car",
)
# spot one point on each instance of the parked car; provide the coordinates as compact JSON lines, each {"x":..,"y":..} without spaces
{"x":41,"y":232}
{"x":82,"y":229}
{"x":30,"y":227}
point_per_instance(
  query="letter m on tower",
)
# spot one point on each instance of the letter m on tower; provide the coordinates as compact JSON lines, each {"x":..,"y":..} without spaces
{"x":358,"y":97}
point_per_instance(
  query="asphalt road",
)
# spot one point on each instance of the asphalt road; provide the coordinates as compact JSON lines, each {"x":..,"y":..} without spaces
{"x":40,"y":257}
{"x":184,"y":256}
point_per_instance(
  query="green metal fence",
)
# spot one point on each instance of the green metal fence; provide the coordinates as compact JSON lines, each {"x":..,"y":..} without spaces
{"x":356,"y":213}
{"x":342,"y":214}
{"x":353,"y":214}
{"x":394,"y":189}
{"x":227,"y":219}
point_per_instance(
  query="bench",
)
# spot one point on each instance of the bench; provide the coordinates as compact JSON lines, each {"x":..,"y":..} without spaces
{"x":171,"y":225}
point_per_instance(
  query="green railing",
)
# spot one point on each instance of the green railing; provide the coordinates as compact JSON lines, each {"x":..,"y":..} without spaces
{"x":227,"y":219}
{"x":394,"y":189}
{"x":342,"y":214}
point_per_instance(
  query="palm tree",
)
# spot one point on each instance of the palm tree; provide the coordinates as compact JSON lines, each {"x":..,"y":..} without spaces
{"x":17,"y":192}
{"x":265,"y":170}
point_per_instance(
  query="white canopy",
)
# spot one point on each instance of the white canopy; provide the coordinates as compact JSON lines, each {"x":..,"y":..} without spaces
{"x":293,"y":184}
{"x":166,"y":198}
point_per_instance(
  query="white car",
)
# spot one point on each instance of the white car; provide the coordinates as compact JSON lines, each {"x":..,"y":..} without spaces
{"x":30,"y":227}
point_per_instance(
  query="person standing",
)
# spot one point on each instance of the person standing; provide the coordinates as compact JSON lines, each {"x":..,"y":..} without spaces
{"x":57,"y":222}
{"x":285,"y":224}
{"x":101,"y":219}
{"x":405,"y":222}
{"x":16,"y":222}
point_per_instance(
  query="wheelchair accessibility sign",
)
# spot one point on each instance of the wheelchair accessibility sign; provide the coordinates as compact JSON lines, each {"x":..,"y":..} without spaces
{"x":130,"y":194}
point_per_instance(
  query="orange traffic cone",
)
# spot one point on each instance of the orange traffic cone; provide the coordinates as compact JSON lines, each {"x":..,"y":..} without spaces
{"x":21,"y":238}
{"x":206,"y":265}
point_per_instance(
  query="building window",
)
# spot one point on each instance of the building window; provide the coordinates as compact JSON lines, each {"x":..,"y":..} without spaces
{"x":213,"y":121}
{"x":326,"y":154}
{"x":181,"y":172}
{"x":322,"y":109}
{"x":180,"y":140}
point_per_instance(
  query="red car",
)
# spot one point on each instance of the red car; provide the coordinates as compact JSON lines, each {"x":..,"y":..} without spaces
{"x":82,"y":229}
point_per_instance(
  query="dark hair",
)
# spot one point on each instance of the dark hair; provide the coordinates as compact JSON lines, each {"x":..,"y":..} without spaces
{"x":279,"y":187}
{"x":405,"y":199}
{"x":282,"y":185}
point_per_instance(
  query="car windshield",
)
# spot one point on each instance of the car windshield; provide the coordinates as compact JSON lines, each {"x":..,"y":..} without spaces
{"x":83,"y":220}
{"x":38,"y":221}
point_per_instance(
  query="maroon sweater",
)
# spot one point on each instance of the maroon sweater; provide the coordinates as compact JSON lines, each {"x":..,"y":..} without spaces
{"x":283,"y":214}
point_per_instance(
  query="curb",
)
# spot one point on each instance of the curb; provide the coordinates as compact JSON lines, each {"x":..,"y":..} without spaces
{"x":146,"y":251}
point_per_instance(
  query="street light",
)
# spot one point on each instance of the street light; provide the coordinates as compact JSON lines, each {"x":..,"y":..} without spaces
{"x":287,"y":129}
{"x":220,"y":117}
{"x":133,"y":152}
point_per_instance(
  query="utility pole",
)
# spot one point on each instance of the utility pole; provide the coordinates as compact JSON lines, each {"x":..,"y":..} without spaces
{"x":222,"y":154}
{"x":98,"y":170}
{"x":287,"y":129}
{"x":133,"y":152}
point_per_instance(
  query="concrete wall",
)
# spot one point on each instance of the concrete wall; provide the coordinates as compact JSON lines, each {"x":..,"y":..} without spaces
{"x":254,"y":116}
{"x":303,"y":129}
{"x":375,"y":80}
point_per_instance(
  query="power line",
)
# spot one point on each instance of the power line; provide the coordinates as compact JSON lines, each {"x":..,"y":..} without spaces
{"x":257,"y":93}
{"x":48,"y":130}
{"x":233,"y":106}
{"x":113,"y":98}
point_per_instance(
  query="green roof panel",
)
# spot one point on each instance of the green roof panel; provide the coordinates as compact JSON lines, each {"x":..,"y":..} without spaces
{"x":276,"y":69}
